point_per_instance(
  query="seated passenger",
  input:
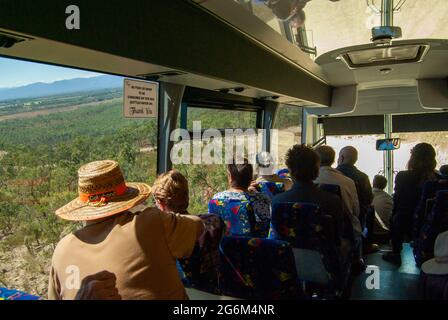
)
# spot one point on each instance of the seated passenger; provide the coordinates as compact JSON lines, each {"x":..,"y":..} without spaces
{"x":434,"y":276}
{"x":348,"y":157}
{"x":265,"y":171}
{"x":328,"y":175}
{"x":408,"y":188}
{"x":303,"y":164}
{"x":170,"y":192}
{"x":257,"y":215}
{"x":382,"y":201}
{"x":140,"y":248}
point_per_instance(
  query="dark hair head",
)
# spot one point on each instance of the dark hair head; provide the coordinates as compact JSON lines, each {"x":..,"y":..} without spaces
{"x":303,"y":163}
{"x":379,"y":182}
{"x":282,"y":10}
{"x":444,"y":170}
{"x":241,"y":174}
{"x":327,"y":155}
{"x":423,"y":159}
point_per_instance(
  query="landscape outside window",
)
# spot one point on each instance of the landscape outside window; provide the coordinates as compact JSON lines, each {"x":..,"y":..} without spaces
{"x":209,"y":179}
{"x":47,"y":131}
{"x":52,"y":121}
{"x":288,"y":124}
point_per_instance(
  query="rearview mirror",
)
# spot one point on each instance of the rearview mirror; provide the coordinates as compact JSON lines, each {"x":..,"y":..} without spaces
{"x":388,"y":144}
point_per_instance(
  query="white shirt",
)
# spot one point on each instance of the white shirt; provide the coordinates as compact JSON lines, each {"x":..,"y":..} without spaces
{"x":329,"y":175}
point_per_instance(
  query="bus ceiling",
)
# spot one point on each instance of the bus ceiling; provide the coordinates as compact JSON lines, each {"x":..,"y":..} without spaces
{"x":216,"y":45}
{"x":174,"y":41}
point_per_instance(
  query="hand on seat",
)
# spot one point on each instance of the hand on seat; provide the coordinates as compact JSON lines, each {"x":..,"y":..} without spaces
{"x":99,"y":286}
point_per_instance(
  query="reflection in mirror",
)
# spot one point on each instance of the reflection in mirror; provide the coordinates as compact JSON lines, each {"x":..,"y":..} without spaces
{"x":388,"y":144}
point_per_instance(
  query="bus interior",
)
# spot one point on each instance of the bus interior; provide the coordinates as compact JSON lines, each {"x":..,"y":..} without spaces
{"x":351,"y":72}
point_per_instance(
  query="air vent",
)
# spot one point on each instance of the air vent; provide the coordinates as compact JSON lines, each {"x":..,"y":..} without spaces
{"x":8,"y":40}
{"x":387,"y":55}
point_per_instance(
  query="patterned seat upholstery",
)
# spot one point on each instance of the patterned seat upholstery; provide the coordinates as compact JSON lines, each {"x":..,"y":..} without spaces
{"x":429,"y":191}
{"x":7,"y":294}
{"x":200,"y":270}
{"x":257,"y":268}
{"x":331,"y":188}
{"x":283,"y":173}
{"x":436,"y":222}
{"x":310,"y":234}
{"x":270,"y":188}
{"x":192,"y":277}
{"x":238,"y":216}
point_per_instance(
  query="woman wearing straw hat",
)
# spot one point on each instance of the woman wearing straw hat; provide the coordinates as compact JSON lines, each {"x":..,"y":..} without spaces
{"x":435,"y":271}
{"x":140,"y":248}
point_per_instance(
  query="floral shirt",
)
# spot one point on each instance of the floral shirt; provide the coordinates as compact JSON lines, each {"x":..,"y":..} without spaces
{"x":260,"y":203}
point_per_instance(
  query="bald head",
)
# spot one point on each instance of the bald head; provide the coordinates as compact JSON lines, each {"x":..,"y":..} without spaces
{"x":327,"y":155}
{"x":348,"y":155}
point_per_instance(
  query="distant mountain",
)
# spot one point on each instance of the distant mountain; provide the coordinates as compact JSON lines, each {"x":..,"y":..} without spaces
{"x":39,"y":89}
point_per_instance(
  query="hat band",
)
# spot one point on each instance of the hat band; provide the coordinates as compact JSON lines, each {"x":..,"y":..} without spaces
{"x":441,"y":259}
{"x":103,"y":197}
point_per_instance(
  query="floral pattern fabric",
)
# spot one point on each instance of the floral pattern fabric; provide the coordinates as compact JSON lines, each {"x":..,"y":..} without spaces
{"x":243,"y":213}
{"x":270,"y":188}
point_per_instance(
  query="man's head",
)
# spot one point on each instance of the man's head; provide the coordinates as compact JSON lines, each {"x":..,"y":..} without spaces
{"x":379,"y":182}
{"x":348,"y":155}
{"x":303,"y":163}
{"x":327,"y":155}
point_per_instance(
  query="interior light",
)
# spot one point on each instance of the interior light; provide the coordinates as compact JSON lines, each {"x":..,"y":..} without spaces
{"x":386,"y":55}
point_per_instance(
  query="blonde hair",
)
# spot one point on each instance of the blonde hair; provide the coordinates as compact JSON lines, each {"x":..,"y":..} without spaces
{"x":171,"y":188}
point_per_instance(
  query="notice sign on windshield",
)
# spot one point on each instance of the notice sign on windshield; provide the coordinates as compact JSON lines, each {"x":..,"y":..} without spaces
{"x":140,"y":99}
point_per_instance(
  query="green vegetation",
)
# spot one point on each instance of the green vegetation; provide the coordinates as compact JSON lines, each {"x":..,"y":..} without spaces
{"x":39,"y":159}
{"x":221,"y":119}
{"x":53,"y":102}
{"x":40,"y":156}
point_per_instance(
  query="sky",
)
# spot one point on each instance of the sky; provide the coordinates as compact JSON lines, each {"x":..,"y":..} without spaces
{"x":15,"y":73}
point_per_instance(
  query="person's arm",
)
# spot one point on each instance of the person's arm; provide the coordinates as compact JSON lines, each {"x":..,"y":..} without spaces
{"x":53,"y":286}
{"x":368,"y":193}
{"x":181,"y":233}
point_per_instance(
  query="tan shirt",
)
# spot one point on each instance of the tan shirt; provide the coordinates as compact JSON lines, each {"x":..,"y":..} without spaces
{"x":329,"y":175}
{"x":140,"y":249}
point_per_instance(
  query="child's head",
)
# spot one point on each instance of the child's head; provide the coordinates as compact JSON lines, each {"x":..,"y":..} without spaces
{"x":379,"y":182}
{"x":170,"y":191}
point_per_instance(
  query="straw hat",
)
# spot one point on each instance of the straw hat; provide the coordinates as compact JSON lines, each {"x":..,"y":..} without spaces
{"x":438,"y":265}
{"x":103,"y":192}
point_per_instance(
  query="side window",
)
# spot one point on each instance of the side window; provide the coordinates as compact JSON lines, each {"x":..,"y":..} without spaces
{"x":288,"y":125}
{"x":204,"y":157}
{"x":47,"y":131}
